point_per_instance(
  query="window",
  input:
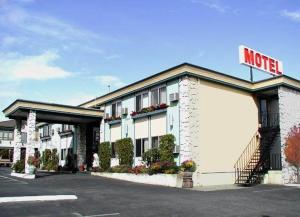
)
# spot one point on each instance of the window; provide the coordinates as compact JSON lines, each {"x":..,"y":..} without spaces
{"x":6,"y":135}
{"x":63,"y":154}
{"x":162,"y":95}
{"x":141,"y":145}
{"x":138,"y":103}
{"x":158,"y":96}
{"x":24,"y":137}
{"x":155,"y":141}
{"x":66,"y":127}
{"x":116,"y":109}
{"x":46,"y":130}
{"x":141,"y":101}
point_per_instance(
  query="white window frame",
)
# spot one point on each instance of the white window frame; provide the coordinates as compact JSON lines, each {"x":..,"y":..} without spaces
{"x":141,"y":94}
{"x":158,"y":95}
{"x":117,"y":112}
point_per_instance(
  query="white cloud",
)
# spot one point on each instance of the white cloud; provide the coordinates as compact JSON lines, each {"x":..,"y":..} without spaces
{"x":291,"y":15}
{"x":212,"y":4}
{"x":111,"y":80}
{"x":17,"y":67}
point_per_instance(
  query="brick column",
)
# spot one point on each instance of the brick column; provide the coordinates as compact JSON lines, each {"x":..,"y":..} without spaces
{"x":81,"y":144}
{"x":31,"y":133}
{"x":17,"y":141}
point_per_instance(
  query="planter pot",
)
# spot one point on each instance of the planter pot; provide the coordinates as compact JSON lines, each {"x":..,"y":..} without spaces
{"x":31,"y":169}
{"x":187,"y":179}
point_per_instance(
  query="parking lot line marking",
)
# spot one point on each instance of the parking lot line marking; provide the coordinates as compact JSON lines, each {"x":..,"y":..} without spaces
{"x":11,"y":179}
{"x":98,"y":215}
{"x":37,"y":198}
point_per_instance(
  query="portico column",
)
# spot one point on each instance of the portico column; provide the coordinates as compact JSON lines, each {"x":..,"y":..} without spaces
{"x":81,"y":144}
{"x":17,"y":141}
{"x":31,"y":134}
{"x":102,"y":130}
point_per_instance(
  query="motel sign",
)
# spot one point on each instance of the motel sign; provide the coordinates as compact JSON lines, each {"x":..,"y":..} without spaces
{"x":260,"y":61}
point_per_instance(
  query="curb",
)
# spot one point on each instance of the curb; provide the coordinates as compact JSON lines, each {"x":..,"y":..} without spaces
{"x":37,"y":198}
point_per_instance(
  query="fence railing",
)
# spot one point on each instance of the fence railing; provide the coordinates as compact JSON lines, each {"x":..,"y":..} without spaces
{"x":269,"y":119}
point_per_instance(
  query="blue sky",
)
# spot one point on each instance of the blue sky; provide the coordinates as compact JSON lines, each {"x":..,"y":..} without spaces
{"x":67,"y":51}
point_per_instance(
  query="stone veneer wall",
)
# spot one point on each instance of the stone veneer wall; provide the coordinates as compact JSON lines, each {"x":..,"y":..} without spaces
{"x":189,"y":88}
{"x":81,"y":144}
{"x":102,"y":130}
{"x":17,"y":141}
{"x":31,"y":125}
{"x":289,"y":110}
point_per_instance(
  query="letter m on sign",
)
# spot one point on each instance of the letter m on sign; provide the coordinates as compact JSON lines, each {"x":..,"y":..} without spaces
{"x":246,"y":56}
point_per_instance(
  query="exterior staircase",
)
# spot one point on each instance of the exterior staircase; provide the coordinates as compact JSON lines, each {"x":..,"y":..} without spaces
{"x":254,"y":162}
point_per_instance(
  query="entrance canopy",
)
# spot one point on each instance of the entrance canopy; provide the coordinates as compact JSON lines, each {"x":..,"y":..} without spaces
{"x":52,"y":113}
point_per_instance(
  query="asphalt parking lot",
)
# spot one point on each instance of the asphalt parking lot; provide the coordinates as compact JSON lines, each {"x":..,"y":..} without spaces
{"x":106,"y":197}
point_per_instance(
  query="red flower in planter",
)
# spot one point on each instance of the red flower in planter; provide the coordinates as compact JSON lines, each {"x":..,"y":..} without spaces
{"x":133,"y":113}
{"x":163,"y":106}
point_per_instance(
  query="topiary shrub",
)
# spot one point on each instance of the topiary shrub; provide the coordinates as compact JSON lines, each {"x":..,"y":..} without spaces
{"x":166,"y":148}
{"x":125,"y":151}
{"x":105,"y":155}
{"x":151,"y":156}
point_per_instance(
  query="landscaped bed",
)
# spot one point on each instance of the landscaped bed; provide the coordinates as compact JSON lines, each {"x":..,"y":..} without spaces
{"x":158,"y":167}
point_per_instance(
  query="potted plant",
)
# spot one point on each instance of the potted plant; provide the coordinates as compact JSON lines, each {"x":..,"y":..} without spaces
{"x":33,"y":163}
{"x":187,"y":168}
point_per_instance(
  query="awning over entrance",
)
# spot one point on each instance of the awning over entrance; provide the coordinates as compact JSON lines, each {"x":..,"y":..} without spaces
{"x":52,"y":113}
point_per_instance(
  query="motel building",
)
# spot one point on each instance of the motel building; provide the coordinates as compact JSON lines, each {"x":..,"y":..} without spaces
{"x":229,"y":126}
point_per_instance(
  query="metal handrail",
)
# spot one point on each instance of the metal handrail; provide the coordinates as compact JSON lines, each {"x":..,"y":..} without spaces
{"x":247,"y":155}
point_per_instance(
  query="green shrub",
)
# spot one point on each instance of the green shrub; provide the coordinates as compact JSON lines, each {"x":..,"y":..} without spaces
{"x":119,"y":169}
{"x":151,"y":156}
{"x":50,"y":159}
{"x":125,"y":151}
{"x":19,"y":166}
{"x":105,"y":155}
{"x":166,"y":148}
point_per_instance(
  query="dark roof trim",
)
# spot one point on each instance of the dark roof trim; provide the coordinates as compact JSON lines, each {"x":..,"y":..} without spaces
{"x":49,"y":104}
{"x":162,"y":72}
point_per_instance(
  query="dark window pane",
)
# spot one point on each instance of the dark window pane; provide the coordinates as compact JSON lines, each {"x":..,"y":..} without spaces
{"x":138,"y":103}
{"x":113,"y":110}
{"x":154,"y":97}
{"x":162,"y":95}
{"x":138,"y":148}
{"x":155,"y":142}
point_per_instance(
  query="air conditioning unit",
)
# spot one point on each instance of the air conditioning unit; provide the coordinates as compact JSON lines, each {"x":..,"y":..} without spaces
{"x":124,"y":111}
{"x":177,"y":149}
{"x":107,"y":115}
{"x":174,"y":97}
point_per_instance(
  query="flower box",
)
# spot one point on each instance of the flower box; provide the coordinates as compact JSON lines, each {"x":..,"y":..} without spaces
{"x":155,"y":112}
{"x":114,"y":122}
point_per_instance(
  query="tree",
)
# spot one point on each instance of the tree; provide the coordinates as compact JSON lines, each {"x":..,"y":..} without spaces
{"x":292,"y":149}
